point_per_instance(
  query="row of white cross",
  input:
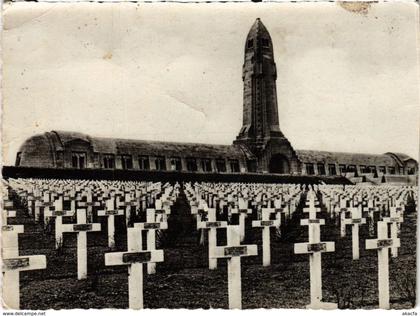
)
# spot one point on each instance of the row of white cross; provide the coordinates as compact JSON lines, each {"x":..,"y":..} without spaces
{"x":133,"y":258}
{"x":237,"y":203}
{"x":233,"y":251}
{"x":314,"y":247}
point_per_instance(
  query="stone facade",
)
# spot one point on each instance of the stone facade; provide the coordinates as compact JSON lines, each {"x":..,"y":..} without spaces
{"x":260,"y":146}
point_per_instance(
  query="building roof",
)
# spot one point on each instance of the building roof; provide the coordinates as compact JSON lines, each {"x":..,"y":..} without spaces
{"x":155,"y":148}
{"x":314,"y":156}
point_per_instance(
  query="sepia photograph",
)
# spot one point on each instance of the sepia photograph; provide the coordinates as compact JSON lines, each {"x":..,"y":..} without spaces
{"x":209,"y":155}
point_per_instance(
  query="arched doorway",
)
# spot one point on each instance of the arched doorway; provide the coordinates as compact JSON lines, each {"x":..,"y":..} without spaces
{"x":279,"y":164}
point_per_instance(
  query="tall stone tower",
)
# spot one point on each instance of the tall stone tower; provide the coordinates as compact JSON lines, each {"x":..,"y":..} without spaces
{"x":260,"y":130}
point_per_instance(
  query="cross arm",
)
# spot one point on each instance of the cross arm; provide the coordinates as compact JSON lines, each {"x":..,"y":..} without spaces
{"x":24,"y":263}
{"x":216,"y":224}
{"x":16,"y":229}
{"x":110,"y":212}
{"x":150,"y":226}
{"x":266,"y":223}
{"x":349,"y":221}
{"x":309,"y":221}
{"x":303,"y":248}
{"x":233,"y":251}
{"x":393,"y":219}
{"x":127,"y":258}
{"x":382,"y":243}
{"x":75,"y":228}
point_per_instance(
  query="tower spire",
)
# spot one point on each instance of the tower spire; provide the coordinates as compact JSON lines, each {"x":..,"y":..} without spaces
{"x":260,"y":112}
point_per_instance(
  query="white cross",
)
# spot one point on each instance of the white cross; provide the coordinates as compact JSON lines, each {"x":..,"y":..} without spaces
{"x":212,"y":225}
{"x":355,"y":220}
{"x":37,"y":210}
{"x":81,"y":228}
{"x":110,"y":212}
{"x":151,"y":226}
{"x":371,"y":209}
{"x":233,"y":252}
{"x":278,"y":206}
{"x":242,"y":210}
{"x":72,"y":198}
{"x":88,"y":204}
{"x":343,"y":211}
{"x":5,"y":214}
{"x":128,"y":203}
{"x":201,"y":210}
{"x":13,"y":264}
{"x":46,"y":204}
{"x":266,"y":223}
{"x":58,"y":213}
{"x":395,"y":217}
{"x":134,"y":259}
{"x":311,"y":209}
{"x":162,"y":210}
{"x":314,"y":248}
{"x":194,"y":205}
{"x":383,"y":243}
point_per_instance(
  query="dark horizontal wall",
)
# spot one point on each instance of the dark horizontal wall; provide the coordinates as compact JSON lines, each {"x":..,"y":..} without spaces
{"x":164,"y":176}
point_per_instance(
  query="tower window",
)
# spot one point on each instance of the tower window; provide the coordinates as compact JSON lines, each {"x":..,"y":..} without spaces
{"x":265,"y":42}
{"x":144,"y":163}
{"x":391,"y":170}
{"x":342,"y":169}
{"x":250,"y":43}
{"x":382,"y":169}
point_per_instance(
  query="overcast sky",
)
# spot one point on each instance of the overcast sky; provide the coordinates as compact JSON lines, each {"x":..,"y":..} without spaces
{"x":347,"y":81}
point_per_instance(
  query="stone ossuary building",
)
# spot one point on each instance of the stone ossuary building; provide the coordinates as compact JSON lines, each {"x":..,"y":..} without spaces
{"x":260,"y":146}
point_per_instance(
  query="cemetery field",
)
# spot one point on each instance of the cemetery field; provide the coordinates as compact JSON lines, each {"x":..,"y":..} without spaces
{"x":183,"y":279}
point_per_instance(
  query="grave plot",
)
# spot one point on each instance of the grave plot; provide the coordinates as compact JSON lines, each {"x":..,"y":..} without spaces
{"x":176,"y":216}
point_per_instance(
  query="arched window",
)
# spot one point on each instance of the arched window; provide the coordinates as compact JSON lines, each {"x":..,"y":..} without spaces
{"x":78,"y":160}
{"x":18,"y":158}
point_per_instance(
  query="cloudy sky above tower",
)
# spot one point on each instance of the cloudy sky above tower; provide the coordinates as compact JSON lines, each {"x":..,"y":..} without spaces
{"x":347,"y":79}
